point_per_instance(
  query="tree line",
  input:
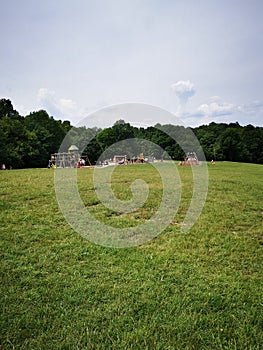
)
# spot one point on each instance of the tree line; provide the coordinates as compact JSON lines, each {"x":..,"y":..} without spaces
{"x":28,"y":141}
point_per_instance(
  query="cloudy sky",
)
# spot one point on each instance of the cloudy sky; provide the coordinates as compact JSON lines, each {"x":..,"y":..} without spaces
{"x":201,"y":60}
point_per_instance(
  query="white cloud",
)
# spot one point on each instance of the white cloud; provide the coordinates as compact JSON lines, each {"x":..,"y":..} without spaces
{"x":214,"y":110}
{"x":219,"y":111}
{"x":216,"y":107}
{"x":57,"y":107}
{"x":183,"y":89}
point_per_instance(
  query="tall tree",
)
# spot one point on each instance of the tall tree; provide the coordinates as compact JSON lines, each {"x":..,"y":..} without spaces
{"x":50,"y":134}
{"x":7,"y":109}
{"x":231,"y":145}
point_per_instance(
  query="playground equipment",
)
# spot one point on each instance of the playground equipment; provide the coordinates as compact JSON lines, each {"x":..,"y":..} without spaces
{"x":73,"y":159}
{"x":190,"y":159}
{"x":122,"y":159}
{"x":68,"y":159}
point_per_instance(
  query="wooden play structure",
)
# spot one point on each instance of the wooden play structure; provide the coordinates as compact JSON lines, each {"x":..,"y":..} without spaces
{"x":123,"y":160}
{"x":120,"y":159}
{"x":190,"y":159}
{"x":68,"y":159}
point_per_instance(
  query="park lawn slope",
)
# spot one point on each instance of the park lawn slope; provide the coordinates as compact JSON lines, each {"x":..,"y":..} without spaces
{"x":200,"y":290}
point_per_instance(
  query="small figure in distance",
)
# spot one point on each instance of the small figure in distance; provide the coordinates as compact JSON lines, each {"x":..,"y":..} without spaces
{"x":212,"y":161}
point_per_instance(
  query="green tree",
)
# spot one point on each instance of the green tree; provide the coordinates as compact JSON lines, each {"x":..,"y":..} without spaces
{"x":118,"y":132}
{"x":231,"y":145}
{"x":50,"y":134}
{"x":16,"y":142}
{"x":7,"y":110}
{"x":253,"y":139}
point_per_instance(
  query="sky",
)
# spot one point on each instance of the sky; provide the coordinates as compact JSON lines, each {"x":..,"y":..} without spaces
{"x":200,"y":60}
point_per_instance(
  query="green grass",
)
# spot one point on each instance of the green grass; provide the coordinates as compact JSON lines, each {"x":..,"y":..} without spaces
{"x":201,"y":290}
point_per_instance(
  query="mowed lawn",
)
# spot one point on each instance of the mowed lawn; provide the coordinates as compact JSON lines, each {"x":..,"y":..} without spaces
{"x":200,"y":290}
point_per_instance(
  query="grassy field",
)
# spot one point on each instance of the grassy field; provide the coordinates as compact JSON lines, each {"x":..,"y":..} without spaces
{"x":201,"y":290}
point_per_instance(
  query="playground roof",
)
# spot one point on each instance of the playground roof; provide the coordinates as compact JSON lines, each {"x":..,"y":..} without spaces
{"x":73,"y":148}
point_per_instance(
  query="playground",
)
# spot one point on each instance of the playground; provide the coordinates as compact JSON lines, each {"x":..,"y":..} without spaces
{"x":73,"y":159}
